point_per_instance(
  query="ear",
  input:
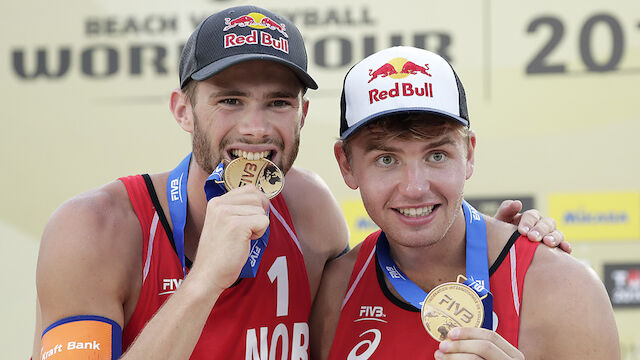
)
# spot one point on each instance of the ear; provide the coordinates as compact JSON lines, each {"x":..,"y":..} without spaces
{"x":305,"y":110}
{"x":345,"y":166}
{"x":181,"y":109}
{"x":471,"y":147}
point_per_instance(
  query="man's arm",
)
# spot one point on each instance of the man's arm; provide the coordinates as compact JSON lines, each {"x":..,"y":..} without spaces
{"x":88,"y":266}
{"x":325,"y":312}
{"x":319,"y":223}
{"x":568,"y":317}
{"x":89,"y":253}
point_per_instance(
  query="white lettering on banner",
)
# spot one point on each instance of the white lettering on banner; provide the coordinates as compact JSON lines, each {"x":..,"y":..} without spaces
{"x":267,"y":349}
{"x":371,"y":346}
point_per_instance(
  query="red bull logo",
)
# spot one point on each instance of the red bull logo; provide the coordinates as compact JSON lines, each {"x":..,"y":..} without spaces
{"x":398,"y":68}
{"x":402,"y":90}
{"x":255,"y":21}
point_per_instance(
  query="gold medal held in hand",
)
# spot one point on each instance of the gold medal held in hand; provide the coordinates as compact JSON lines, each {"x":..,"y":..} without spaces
{"x":451,"y":305}
{"x":262,"y":173}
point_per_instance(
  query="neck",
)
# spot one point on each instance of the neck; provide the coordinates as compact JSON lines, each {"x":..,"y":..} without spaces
{"x":197,"y":207}
{"x":434,"y":264}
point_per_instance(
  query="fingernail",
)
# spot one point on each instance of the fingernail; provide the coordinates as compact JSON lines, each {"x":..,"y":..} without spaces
{"x":438,"y":354}
{"x":445,"y":345}
{"x":536,"y":235}
{"x":454,"y":333}
{"x":552,"y":240}
{"x":526,"y":229}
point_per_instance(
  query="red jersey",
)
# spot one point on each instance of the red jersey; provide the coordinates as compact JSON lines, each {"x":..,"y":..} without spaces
{"x":265,"y":317}
{"x":374,"y":324}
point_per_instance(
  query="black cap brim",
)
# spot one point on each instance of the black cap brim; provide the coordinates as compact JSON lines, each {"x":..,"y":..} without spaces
{"x":218,"y":66}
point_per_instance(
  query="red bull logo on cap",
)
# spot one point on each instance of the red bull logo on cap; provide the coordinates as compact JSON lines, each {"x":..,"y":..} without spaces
{"x":398,"y":68}
{"x":259,"y":22}
{"x":256,"y":21}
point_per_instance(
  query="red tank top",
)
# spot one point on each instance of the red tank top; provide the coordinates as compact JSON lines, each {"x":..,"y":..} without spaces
{"x":259,"y":318}
{"x":374,"y":324}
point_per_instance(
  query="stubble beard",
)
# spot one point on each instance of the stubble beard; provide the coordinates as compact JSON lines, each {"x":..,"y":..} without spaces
{"x":208,"y":161}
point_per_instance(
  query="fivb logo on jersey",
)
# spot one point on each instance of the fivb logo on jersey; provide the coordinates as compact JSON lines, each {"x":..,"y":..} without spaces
{"x":371,"y":312}
{"x":169,"y":286}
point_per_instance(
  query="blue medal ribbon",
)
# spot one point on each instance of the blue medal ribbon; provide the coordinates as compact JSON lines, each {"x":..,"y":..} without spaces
{"x":477,"y":266}
{"x":214,"y":186}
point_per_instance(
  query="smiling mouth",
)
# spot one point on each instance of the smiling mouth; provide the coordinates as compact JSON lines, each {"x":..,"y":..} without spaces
{"x":417,"y":212}
{"x":236,"y":153}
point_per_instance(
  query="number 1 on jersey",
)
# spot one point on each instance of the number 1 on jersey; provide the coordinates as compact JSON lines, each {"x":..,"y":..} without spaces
{"x":279,"y":271}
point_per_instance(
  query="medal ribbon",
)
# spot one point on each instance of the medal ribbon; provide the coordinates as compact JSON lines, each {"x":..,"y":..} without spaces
{"x":214,"y":186}
{"x":477,"y":266}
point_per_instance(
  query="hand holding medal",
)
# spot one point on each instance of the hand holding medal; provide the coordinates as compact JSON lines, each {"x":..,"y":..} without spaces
{"x":262,"y":173}
{"x":450,"y":305}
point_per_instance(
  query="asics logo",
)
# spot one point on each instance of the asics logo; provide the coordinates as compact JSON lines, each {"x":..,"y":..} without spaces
{"x":368,"y":345}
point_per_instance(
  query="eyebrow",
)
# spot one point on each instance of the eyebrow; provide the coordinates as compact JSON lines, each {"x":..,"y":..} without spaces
{"x":224,"y":93}
{"x":239,"y":93}
{"x":377,"y":144}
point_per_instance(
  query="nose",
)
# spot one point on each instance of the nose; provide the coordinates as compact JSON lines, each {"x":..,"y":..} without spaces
{"x":254,"y":123}
{"x":414,"y":180}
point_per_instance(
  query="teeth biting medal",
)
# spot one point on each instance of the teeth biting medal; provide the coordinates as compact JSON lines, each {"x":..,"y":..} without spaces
{"x":262,"y":173}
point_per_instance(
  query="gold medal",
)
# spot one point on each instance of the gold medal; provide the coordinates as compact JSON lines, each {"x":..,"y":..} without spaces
{"x":262,"y":173}
{"x":451,"y":305}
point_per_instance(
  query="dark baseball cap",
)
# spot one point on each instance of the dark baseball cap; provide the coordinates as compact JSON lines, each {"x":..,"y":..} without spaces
{"x":240,"y":34}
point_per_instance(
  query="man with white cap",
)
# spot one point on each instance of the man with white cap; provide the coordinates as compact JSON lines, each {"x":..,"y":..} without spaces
{"x":440,"y":280}
{"x":158,"y":267}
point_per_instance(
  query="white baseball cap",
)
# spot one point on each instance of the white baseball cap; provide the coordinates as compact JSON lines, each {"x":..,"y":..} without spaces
{"x":401,"y":79}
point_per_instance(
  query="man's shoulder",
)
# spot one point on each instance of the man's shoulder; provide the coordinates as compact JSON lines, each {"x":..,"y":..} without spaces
{"x":307,"y":195}
{"x":90,"y":253}
{"x":553,"y":263}
{"x":314,"y":211}
{"x":86,"y":220}
{"x":102,"y":205}
{"x":298,"y":179}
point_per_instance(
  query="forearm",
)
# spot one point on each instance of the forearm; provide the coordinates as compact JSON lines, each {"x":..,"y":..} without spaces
{"x":175,"y":329}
